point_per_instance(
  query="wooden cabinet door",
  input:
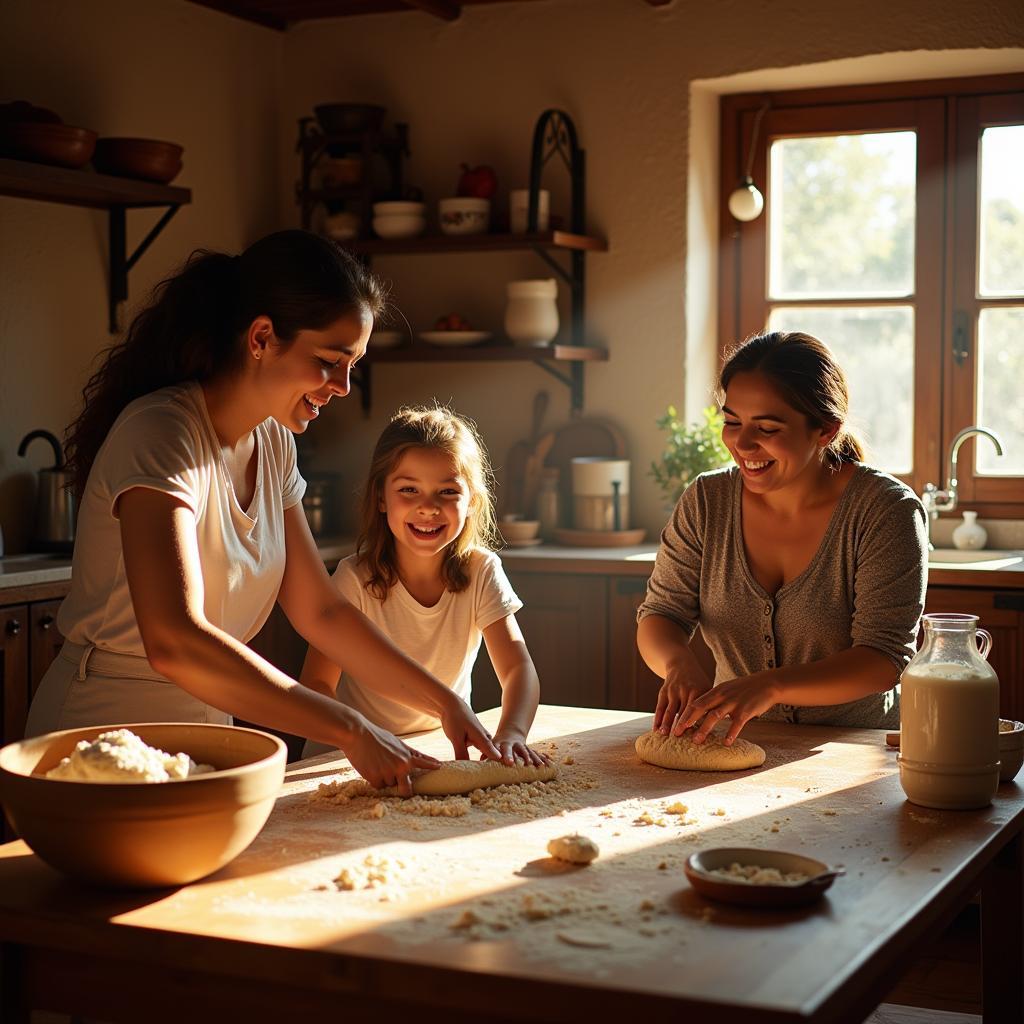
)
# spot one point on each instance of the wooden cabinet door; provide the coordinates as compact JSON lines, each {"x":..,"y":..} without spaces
{"x":45,"y":640}
{"x":14,"y":681}
{"x":565,"y":623}
{"x":1002,"y":614}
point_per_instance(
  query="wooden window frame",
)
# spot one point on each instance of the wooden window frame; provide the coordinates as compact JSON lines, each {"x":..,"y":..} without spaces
{"x":942,"y":112}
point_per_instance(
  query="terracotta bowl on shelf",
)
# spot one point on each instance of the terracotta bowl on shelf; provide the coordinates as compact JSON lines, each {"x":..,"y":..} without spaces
{"x":148,"y":159}
{"x":348,"y":118}
{"x":138,"y":835}
{"x":47,"y":143}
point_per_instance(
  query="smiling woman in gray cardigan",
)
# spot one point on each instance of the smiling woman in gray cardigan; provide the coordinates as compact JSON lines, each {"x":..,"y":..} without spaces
{"x":804,"y":568}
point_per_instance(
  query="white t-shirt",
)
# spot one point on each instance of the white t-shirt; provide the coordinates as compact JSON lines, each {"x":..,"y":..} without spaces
{"x":166,"y":441}
{"x":444,"y":639}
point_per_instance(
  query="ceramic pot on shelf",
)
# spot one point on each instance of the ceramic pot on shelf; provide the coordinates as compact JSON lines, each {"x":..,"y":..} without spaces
{"x":531,"y":316}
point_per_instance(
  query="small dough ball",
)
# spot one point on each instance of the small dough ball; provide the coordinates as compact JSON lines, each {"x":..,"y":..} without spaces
{"x":576,"y":849}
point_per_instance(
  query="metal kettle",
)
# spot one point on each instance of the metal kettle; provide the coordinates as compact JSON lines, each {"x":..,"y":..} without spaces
{"x":54,"y":526}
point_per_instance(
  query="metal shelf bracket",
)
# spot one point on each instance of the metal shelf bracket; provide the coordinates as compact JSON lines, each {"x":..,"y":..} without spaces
{"x":121,"y":263}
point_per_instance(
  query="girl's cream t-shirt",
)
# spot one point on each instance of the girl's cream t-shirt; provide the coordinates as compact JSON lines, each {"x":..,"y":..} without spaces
{"x":165,"y":441}
{"x":444,"y":639}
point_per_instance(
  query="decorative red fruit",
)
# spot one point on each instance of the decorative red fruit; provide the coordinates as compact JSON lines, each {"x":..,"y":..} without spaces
{"x":480,"y":182}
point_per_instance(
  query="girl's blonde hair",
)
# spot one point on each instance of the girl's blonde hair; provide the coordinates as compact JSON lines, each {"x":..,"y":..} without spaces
{"x":440,"y":429}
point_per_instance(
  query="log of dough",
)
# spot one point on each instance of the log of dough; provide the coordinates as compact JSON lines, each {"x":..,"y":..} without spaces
{"x":465,"y":776}
{"x":681,"y":753}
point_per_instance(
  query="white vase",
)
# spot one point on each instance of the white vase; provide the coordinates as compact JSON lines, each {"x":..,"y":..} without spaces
{"x":970,"y":535}
{"x":531,"y":316}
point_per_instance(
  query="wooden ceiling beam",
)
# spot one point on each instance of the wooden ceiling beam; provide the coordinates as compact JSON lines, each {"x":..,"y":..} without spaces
{"x":448,"y":10}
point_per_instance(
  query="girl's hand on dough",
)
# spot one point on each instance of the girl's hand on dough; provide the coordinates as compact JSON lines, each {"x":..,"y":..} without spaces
{"x":739,"y":700}
{"x":464,"y":730}
{"x":677,"y":691}
{"x":384,"y":760}
{"x":513,"y":749}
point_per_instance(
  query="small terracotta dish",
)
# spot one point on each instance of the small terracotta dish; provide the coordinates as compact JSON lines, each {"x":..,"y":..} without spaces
{"x":47,"y":143}
{"x":149,"y":159}
{"x":1011,"y":748}
{"x":137,"y":835}
{"x":699,"y":866}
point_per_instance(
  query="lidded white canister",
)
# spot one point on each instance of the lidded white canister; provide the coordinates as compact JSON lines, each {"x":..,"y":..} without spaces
{"x":600,"y":493}
{"x":531,"y":316}
{"x":949,"y":717}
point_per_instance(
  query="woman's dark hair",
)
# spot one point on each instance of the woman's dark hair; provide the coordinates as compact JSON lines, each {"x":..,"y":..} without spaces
{"x":809,"y":380}
{"x":191,"y":328}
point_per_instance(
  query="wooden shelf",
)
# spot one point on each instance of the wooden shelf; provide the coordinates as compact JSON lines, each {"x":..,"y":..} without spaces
{"x":492,"y":352}
{"x":27,"y":180}
{"x":476,"y":243}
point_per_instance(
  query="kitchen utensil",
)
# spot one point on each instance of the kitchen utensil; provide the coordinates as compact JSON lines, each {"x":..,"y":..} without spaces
{"x":454,"y":339}
{"x":47,"y":143}
{"x":599,"y":538}
{"x":585,"y":435}
{"x":514,"y":471}
{"x":54,"y":525}
{"x":138,"y":835}
{"x":349,"y":118}
{"x":698,"y":868}
{"x":149,"y":159}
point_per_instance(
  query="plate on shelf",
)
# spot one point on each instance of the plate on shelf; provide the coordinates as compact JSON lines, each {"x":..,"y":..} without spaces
{"x":454,"y":339}
{"x":599,"y":538}
{"x":531,"y":543}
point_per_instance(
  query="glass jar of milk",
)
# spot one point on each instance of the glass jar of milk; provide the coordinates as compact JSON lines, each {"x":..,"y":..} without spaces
{"x":949,"y":717}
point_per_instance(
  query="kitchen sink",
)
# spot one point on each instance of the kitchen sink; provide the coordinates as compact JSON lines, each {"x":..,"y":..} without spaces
{"x":984,"y":559}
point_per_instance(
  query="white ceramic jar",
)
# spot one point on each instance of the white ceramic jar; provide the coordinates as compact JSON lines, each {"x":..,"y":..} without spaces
{"x":531,"y":316}
{"x":970,"y":535}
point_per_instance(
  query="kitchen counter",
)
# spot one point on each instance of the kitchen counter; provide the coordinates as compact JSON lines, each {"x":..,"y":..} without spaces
{"x":470,"y":916}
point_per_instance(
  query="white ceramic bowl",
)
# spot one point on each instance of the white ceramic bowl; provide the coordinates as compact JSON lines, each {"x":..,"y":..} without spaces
{"x":392,"y":209}
{"x":464,"y":215}
{"x":134,"y":834}
{"x":517,"y":530}
{"x":399,"y":225}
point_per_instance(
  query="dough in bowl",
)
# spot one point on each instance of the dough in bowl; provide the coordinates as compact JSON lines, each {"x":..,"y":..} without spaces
{"x":465,"y":776}
{"x":681,"y":753}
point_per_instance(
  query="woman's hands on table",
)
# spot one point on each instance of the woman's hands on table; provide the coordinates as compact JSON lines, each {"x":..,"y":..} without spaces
{"x":682,"y":686}
{"x":383,"y":759}
{"x":739,"y":700}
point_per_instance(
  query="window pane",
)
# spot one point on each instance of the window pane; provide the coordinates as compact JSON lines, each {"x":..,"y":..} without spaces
{"x":1001,"y":211}
{"x":841,"y":215}
{"x":1001,"y":389}
{"x":875,"y":348}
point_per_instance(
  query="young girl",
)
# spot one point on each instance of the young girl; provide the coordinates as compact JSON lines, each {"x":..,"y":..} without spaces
{"x":191,"y":525}
{"x":422,"y":573}
{"x":804,"y":568}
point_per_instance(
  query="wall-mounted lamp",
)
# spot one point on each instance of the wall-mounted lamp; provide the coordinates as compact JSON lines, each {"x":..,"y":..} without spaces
{"x":746,"y":201}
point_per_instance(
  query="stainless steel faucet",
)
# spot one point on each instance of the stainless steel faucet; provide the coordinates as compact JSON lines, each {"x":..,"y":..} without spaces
{"x":936,"y":500}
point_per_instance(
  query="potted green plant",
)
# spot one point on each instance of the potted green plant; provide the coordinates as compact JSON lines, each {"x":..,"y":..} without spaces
{"x":690,"y":449}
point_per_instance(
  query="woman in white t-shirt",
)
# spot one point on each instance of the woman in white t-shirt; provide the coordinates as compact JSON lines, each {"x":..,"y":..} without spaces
{"x":190,"y":520}
{"x":423,"y":574}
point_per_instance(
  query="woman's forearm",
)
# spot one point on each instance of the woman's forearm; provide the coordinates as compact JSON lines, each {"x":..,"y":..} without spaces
{"x":222,"y":672}
{"x":841,"y":677}
{"x":664,"y":646}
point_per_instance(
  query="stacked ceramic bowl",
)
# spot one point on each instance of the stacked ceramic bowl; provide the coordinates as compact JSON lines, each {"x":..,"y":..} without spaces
{"x":399,"y":219}
{"x":464,"y":215}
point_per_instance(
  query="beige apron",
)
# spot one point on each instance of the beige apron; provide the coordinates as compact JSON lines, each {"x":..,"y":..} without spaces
{"x":87,"y":686}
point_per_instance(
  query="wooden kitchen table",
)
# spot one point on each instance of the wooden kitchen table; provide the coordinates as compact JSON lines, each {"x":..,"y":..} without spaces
{"x":470,"y":920}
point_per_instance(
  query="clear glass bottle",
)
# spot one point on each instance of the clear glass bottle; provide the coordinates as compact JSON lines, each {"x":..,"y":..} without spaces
{"x":949,"y":717}
{"x":548,"y":502}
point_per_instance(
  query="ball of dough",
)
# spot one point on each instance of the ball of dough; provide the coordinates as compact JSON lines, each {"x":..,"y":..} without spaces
{"x":576,"y":849}
{"x":682,"y":754}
